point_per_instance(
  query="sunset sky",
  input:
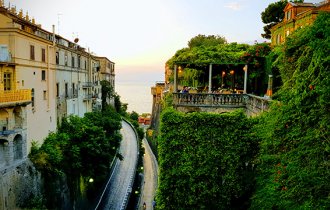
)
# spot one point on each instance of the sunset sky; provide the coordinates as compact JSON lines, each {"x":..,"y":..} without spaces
{"x":140,"y":36}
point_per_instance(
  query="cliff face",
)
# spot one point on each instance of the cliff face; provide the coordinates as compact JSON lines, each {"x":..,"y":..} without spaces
{"x":19,"y":183}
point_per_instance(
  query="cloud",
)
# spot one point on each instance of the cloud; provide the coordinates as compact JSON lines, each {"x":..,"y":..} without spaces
{"x":233,"y":6}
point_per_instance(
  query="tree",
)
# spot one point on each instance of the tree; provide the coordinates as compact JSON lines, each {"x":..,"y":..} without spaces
{"x":272,"y":15}
{"x":107,"y":92}
{"x":206,"y":41}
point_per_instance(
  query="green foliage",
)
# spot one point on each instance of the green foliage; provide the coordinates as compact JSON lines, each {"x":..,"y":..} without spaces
{"x":293,"y":171}
{"x":202,"y":40}
{"x":134,"y":116}
{"x":107,"y":92}
{"x":78,"y":145}
{"x":272,"y":15}
{"x":120,"y":107}
{"x":201,"y":55}
{"x":205,"y":160}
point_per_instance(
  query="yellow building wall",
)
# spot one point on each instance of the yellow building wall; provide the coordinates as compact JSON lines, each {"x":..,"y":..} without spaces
{"x":4,"y":21}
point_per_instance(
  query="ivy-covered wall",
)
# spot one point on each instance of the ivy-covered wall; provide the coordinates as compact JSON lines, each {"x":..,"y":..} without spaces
{"x":205,"y":160}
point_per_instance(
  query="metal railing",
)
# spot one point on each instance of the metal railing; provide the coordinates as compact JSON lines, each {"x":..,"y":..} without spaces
{"x":15,"y":96}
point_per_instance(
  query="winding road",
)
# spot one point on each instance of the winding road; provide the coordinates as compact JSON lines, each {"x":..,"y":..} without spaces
{"x":121,"y":180}
{"x":150,"y":167}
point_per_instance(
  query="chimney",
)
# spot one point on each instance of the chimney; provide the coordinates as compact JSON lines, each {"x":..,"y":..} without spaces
{"x":33,"y":21}
{"x":13,"y":10}
{"x":53,"y":35}
{"x":27,"y":16}
{"x":20,"y":14}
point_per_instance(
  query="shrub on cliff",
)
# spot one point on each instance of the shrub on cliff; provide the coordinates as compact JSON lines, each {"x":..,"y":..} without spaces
{"x":205,"y":160}
{"x":293,"y":166}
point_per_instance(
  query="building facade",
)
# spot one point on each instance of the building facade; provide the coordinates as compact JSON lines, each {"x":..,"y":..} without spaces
{"x":297,"y":15}
{"x":107,"y":73}
{"x":43,"y":78}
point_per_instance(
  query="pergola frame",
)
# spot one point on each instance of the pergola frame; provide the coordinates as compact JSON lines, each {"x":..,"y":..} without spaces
{"x":245,"y":69}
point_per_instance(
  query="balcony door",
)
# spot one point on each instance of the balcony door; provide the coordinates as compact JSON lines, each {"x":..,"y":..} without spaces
{"x":7,"y":81}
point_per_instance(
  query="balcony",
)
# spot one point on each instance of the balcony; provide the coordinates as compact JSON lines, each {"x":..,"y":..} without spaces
{"x":7,"y":132}
{"x":205,"y":99}
{"x":15,"y":97}
{"x":87,"y":84}
{"x":187,"y":102}
{"x":88,"y":97}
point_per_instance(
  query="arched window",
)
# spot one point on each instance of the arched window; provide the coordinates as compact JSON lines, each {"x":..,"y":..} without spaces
{"x":18,"y":147}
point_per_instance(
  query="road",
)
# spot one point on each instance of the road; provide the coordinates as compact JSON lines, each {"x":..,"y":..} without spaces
{"x":121,"y":180}
{"x":150,"y":167}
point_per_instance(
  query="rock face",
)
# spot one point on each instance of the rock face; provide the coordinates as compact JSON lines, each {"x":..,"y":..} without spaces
{"x":19,"y":183}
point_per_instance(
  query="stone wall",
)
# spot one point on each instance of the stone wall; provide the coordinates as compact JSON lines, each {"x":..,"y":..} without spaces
{"x":19,"y":183}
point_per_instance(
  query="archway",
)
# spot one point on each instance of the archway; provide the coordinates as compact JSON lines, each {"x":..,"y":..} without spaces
{"x":18,"y":147}
{"x":3,"y":152}
{"x":4,"y":116}
{"x":18,"y":117}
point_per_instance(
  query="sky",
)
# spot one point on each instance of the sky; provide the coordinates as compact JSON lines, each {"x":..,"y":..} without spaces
{"x":140,"y":36}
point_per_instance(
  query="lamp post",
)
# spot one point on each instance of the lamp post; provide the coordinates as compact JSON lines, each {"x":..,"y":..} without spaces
{"x":232,"y":73}
{"x":270,"y":86}
{"x":210,"y":78}
{"x":245,"y":77}
{"x":223,"y":75}
{"x":175,"y":88}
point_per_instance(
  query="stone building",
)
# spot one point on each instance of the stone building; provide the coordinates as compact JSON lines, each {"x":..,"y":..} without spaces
{"x":57,"y":77}
{"x":43,"y":78}
{"x":297,"y":15}
{"x":107,"y":73}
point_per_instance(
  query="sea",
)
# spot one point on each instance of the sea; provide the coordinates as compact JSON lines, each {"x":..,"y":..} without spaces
{"x":137,"y":95}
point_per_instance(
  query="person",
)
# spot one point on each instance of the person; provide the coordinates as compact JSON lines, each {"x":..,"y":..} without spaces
{"x":153,"y":204}
{"x":185,"y":89}
{"x":144,"y":206}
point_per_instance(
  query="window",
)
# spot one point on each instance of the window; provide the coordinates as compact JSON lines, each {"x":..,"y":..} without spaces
{"x":43,"y":75}
{"x":22,"y":83}
{"x":79,"y":60}
{"x":85,"y":65}
{"x":32,"y":97}
{"x":66,"y":90}
{"x":73,"y":89}
{"x":57,"y":89}
{"x":43,"y":55}
{"x":57,"y":58}
{"x":278,"y":39}
{"x":288,"y":15}
{"x":45,"y":95}
{"x":72,"y":61}
{"x":66,"y":60}
{"x":7,"y":81}
{"x":32,"y":52}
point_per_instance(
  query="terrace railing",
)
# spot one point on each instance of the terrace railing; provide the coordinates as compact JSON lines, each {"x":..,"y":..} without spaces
{"x":252,"y":103}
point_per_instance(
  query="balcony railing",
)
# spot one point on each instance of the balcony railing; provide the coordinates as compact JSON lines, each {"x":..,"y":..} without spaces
{"x":253,"y":103}
{"x":15,"y":96}
{"x":87,"y":84}
{"x":88,"y":97}
{"x":7,"y":132}
{"x":205,"y":99}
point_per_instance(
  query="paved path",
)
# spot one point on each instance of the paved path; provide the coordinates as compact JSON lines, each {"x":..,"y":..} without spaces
{"x":150,"y":166}
{"x":121,"y":180}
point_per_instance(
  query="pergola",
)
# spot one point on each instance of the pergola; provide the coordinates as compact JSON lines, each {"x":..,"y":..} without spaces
{"x":245,"y":69}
